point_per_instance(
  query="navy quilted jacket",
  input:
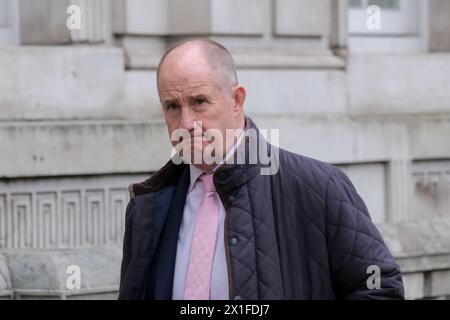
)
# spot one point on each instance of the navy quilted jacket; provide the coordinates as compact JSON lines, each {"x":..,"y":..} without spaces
{"x":303,"y":233}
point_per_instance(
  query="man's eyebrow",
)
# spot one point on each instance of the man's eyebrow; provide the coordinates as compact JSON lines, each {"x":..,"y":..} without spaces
{"x":198,"y":96}
{"x":170,"y":101}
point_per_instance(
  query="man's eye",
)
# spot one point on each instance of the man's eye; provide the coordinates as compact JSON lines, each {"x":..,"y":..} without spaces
{"x":171,"y":106}
{"x":199,"y":101}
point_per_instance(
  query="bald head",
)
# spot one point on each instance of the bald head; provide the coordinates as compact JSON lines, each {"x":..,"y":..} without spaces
{"x":216,"y":56}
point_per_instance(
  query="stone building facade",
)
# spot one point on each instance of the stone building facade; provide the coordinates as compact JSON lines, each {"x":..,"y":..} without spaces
{"x":80,"y":119}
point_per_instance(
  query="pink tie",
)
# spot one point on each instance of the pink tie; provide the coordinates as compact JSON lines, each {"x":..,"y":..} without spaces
{"x":198,"y":282}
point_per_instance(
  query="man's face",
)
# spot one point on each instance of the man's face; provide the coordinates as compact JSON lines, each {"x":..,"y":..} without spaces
{"x":190,"y":93}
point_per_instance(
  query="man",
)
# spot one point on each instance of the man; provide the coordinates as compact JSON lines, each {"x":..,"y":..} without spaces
{"x":202,"y":230}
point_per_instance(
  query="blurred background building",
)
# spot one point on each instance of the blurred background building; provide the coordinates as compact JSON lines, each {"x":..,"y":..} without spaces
{"x":80,"y":119}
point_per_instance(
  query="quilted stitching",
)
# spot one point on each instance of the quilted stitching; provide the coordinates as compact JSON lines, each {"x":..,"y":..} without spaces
{"x":335,"y":237}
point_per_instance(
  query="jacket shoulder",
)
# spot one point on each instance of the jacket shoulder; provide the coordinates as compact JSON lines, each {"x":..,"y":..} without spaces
{"x":313,"y":174}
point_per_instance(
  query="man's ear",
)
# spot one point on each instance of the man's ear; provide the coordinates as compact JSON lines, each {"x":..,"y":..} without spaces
{"x":239,"y":94}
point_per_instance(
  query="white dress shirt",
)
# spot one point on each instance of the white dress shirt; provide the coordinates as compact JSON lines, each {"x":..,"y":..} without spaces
{"x":219,"y":274}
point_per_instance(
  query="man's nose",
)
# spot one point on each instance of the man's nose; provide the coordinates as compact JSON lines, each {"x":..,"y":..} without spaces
{"x":187,"y":120}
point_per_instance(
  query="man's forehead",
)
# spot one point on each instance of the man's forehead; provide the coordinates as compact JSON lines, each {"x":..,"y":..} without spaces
{"x":179,"y":73}
{"x":194,"y":87}
{"x":188,"y":74}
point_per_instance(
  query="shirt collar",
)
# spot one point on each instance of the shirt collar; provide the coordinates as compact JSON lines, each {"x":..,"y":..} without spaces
{"x":230,"y":152}
{"x":196,"y":172}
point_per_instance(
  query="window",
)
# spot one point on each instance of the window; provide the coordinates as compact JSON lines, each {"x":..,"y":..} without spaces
{"x":8,"y":22}
{"x":3,"y":13}
{"x":400,"y":26}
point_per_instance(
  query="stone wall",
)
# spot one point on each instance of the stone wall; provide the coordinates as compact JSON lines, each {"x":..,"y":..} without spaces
{"x":80,"y":119}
